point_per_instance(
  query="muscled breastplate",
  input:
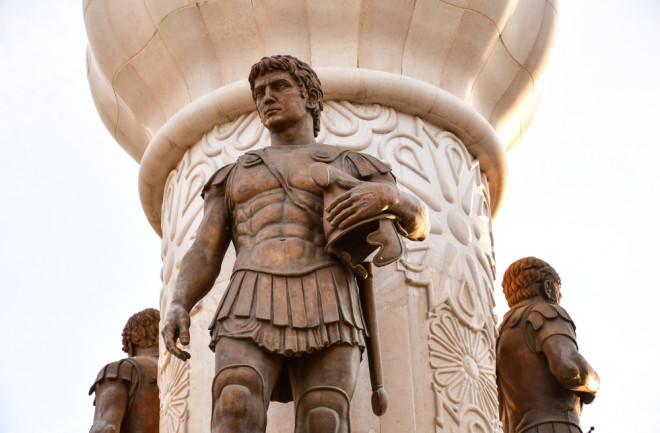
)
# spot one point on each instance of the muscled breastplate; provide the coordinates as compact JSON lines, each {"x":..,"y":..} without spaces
{"x":277,"y":229}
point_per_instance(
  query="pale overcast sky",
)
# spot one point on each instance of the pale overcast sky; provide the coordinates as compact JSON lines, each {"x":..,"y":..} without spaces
{"x":78,"y":256}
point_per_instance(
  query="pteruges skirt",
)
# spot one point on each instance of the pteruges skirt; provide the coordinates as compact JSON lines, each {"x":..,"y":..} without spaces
{"x":291,"y":315}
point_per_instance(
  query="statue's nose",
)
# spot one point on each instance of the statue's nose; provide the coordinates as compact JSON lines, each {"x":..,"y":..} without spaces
{"x":268,"y":94}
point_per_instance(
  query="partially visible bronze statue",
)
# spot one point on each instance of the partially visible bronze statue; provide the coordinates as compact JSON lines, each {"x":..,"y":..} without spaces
{"x":290,"y":325}
{"x":126,"y":390}
{"x":542,"y":380}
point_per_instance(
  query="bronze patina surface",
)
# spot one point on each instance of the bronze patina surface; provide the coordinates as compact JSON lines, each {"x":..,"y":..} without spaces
{"x":126,"y":390}
{"x":542,"y":380}
{"x":290,"y":325}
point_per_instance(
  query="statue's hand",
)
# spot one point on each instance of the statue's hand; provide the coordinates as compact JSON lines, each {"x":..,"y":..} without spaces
{"x":362,"y":201}
{"x":177,"y":326}
{"x":586,"y":397}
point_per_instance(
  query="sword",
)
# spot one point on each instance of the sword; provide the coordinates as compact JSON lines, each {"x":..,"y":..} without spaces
{"x":368,"y":298}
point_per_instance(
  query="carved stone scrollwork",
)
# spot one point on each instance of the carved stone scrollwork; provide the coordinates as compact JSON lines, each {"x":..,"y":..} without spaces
{"x":182,"y":213}
{"x":463,"y":365}
{"x":473,"y":420}
{"x":174,"y":383}
{"x":453,"y":269}
{"x":352,"y":126}
{"x":435,"y":166}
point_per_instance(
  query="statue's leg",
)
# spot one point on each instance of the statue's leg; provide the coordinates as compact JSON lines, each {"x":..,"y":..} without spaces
{"x":244,"y":381}
{"x":323,"y":384}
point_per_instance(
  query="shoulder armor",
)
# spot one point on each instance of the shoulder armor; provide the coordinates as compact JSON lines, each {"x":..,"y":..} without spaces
{"x":512,"y":318}
{"x":548,"y":320}
{"x":119,"y":370}
{"x":367,"y":165}
{"x":564,"y":314}
{"x":326,"y":153}
{"x":547,"y":312}
{"x":543,"y":312}
{"x":219,"y":178}
{"x":250,"y":158}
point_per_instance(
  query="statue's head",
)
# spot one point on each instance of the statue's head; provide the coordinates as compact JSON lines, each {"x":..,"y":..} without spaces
{"x":303,"y":74}
{"x":530,"y":277}
{"x":141,"y":330}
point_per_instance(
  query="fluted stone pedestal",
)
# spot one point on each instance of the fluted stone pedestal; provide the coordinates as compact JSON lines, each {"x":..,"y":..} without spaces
{"x":438,"y":90}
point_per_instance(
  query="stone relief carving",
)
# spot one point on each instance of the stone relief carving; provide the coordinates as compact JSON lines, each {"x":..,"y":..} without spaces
{"x":174,"y":380}
{"x":463,"y":362}
{"x":352,"y":126}
{"x":182,"y":211}
{"x":455,"y":267}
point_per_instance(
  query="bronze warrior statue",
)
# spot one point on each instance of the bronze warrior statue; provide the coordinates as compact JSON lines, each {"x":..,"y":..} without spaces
{"x":542,"y":380}
{"x":290,"y":325}
{"x":126,"y":390}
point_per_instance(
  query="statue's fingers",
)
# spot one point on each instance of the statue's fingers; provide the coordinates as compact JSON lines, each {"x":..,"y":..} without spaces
{"x":183,"y":355}
{"x":340,"y":204}
{"x":169,"y":336}
{"x":349,"y":217}
{"x":346,"y":217}
{"x":171,"y":347}
{"x":184,"y":330}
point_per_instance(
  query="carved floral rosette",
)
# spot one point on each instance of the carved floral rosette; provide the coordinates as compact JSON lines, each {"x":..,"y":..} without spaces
{"x":434,"y":306}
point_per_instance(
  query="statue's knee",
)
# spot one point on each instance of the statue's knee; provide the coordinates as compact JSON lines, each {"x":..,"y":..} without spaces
{"x":238,"y":375}
{"x":234,"y":400}
{"x":323,"y":419}
{"x":237,"y":391}
{"x":323,"y":410}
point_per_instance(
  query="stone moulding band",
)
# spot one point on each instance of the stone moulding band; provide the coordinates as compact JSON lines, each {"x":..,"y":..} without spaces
{"x":362,"y":86}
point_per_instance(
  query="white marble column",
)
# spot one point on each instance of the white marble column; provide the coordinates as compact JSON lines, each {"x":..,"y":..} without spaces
{"x":437,"y":89}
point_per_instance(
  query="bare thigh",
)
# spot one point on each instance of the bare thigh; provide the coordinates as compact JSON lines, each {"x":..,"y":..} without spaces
{"x":231,"y":352}
{"x":336,"y":366}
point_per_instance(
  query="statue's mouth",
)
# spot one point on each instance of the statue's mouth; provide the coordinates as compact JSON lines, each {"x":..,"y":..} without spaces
{"x":271,"y":111}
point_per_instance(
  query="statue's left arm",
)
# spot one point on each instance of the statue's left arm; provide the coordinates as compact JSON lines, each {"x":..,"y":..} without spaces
{"x":570,"y":368}
{"x":111,"y":402}
{"x":556,"y":336}
{"x":377,"y":194}
{"x":112,"y":394}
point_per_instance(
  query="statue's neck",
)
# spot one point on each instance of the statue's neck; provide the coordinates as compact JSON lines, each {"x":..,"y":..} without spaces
{"x":300,"y":134}
{"x":145,"y":351}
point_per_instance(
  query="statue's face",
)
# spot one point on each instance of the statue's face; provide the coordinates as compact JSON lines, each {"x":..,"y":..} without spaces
{"x":279,"y":100}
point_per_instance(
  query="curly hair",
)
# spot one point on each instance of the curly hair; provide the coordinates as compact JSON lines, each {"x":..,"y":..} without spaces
{"x":524,"y":279}
{"x":141,"y":330}
{"x":303,"y":74}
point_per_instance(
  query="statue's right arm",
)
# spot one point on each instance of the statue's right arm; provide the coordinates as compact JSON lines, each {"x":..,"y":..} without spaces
{"x":570,"y":368}
{"x":199,"y":269}
{"x":111,"y":401}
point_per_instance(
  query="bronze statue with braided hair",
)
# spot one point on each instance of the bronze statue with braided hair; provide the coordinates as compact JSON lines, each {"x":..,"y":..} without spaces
{"x":542,"y":380}
{"x":126,"y":390}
